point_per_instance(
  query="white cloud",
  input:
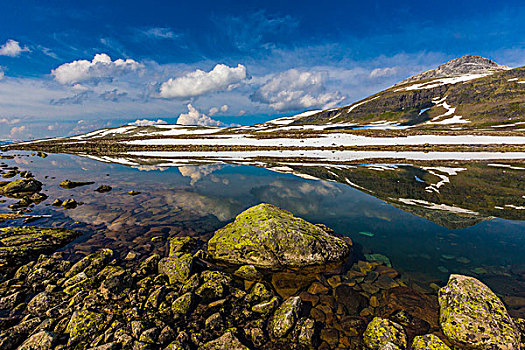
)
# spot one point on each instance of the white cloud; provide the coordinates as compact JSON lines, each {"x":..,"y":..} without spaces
{"x":194,"y":117}
{"x":215,"y":110}
{"x":294,"y":89}
{"x":19,"y":132}
{"x":160,"y":33}
{"x":200,"y":82}
{"x":100,"y":67}
{"x":10,"y":121}
{"x":12,"y":48}
{"x":1,"y":73}
{"x":146,"y":122}
{"x":383,"y":72}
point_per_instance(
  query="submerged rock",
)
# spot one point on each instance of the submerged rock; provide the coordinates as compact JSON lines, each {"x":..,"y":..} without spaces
{"x":103,"y":188}
{"x":380,"y":332}
{"x":269,"y":237}
{"x":472,"y":316}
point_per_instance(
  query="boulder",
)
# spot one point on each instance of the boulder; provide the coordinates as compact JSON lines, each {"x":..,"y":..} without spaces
{"x":380,"y":332}
{"x":19,"y":188}
{"x":285,"y":317}
{"x":428,"y":341}
{"x":473,"y":317}
{"x":269,"y":237}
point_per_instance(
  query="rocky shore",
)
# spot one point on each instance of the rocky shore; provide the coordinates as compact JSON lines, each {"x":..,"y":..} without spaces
{"x":248,"y":287}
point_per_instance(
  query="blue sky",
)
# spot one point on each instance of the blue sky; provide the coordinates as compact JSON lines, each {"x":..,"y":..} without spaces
{"x":69,"y":67}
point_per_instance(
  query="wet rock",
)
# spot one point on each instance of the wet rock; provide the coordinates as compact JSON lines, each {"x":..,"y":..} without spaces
{"x":68,"y":184}
{"x":70,"y":203}
{"x":227,"y":341}
{"x":42,"y":340}
{"x":116,"y":281}
{"x":57,"y":203}
{"x":18,"y":245}
{"x":381,"y":331}
{"x":133,"y":193}
{"x":305,"y":332}
{"x":178,"y":269}
{"x":285,"y":317}
{"x":472,"y":316}
{"x":428,"y":341}
{"x":20,"y":188}
{"x":350,"y":299}
{"x":269,"y":237}
{"x":103,"y":189}
{"x":266,"y":307}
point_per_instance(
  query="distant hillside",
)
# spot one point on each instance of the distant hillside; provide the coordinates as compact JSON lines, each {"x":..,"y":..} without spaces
{"x":466,"y":93}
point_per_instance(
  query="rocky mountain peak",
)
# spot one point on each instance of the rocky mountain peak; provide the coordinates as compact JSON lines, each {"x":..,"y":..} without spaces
{"x":467,"y":64}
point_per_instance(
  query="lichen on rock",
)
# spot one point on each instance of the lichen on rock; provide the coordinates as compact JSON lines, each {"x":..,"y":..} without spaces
{"x":269,"y":237}
{"x":380,"y":332}
{"x":472,"y":316}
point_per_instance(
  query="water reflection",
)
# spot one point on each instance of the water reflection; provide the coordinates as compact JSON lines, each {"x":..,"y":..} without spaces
{"x":444,"y":224}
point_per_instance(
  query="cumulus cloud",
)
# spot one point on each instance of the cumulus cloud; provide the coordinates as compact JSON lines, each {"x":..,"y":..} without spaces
{"x":215,"y":110}
{"x":147,"y":122}
{"x":294,"y":89}
{"x":12,"y":48}
{"x":194,"y":117}
{"x":101,"y":67}
{"x":19,"y":132}
{"x":199,"y":82}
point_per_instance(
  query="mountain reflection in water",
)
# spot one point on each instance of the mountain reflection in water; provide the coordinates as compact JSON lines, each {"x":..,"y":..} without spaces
{"x":430,"y":220}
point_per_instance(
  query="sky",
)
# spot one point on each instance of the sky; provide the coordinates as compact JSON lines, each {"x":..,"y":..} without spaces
{"x":69,"y":67}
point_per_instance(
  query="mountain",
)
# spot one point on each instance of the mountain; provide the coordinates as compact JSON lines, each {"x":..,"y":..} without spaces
{"x":469,"y":92}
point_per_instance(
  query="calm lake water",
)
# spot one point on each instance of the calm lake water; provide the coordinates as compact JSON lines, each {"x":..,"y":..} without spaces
{"x":196,"y":200}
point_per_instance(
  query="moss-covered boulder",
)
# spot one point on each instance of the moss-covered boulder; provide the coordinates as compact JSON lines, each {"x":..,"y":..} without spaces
{"x":227,"y":341}
{"x":18,"y":245}
{"x":84,"y":325}
{"x":473,"y":317}
{"x":20,"y":188}
{"x":269,"y":237}
{"x":428,"y":342}
{"x":380,"y":332}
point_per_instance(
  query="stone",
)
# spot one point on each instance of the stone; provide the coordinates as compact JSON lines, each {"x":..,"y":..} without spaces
{"x":428,"y":341}
{"x":67,"y":184}
{"x":248,"y":272}
{"x":20,"y":188}
{"x":285,"y":317}
{"x":472,"y":316}
{"x":103,"y":189}
{"x":304,"y":332}
{"x":227,"y":341}
{"x":215,"y":285}
{"x":42,"y":340}
{"x":178,"y":269}
{"x":84,"y":324}
{"x":70,"y":203}
{"x":269,"y":237}
{"x":40,"y":303}
{"x":381,"y":331}
{"x":266,"y":307}
{"x":350,"y":299}
{"x":181,"y":244}
{"x":182,"y":305}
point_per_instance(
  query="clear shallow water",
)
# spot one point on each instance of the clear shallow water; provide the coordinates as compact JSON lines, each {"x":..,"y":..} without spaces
{"x":196,"y":200}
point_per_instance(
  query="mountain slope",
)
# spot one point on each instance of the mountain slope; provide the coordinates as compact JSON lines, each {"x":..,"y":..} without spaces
{"x":476,"y":93}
